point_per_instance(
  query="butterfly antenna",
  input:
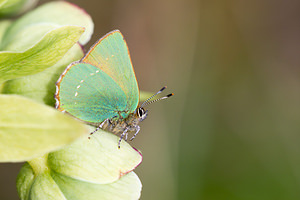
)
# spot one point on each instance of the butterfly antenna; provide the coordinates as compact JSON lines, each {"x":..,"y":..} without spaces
{"x":145,"y":102}
{"x":165,"y":97}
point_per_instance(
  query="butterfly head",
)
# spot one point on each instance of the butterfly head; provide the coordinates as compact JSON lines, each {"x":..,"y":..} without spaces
{"x":141,"y":113}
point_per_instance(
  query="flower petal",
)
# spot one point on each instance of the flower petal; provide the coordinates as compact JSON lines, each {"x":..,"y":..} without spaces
{"x":97,"y":160}
{"x":29,"y":129}
{"x":44,"y":54}
{"x":41,"y":86}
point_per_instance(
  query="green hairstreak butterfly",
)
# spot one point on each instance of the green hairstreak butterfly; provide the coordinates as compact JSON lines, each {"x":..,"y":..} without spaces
{"x":101,"y":88}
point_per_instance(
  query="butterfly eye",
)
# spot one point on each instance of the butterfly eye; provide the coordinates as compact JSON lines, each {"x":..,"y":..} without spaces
{"x":142,"y":113}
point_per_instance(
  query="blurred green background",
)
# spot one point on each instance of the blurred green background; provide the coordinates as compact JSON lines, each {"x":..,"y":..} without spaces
{"x":232,"y":129}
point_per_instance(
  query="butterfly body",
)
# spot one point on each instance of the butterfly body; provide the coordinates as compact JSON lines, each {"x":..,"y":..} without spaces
{"x":125,"y":126}
{"x":118,"y":126}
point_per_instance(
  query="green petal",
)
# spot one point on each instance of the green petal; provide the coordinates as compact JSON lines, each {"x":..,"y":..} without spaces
{"x":97,"y":160}
{"x":10,"y":6}
{"x":29,"y":129}
{"x":27,"y":37}
{"x":44,"y":187}
{"x":44,"y":54}
{"x":43,"y":183}
{"x":58,"y":13}
{"x":128,"y":187}
{"x":25,"y":180}
{"x":4,"y":24}
{"x":41,"y":86}
{"x":37,"y":186}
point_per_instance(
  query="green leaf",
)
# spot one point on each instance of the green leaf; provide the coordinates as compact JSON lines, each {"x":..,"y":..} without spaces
{"x":29,"y":129}
{"x":53,"y":14}
{"x":41,"y":86}
{"x":97,"y":160}
{"x":44,"y":54}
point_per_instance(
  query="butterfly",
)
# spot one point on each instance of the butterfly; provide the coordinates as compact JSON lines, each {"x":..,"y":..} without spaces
{"x":101,"y":89}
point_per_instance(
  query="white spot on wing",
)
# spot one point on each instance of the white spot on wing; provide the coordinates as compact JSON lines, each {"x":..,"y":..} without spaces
{"x":97,"y":71}
{"x":78,"y":86}
{"x":76,"y":93}
{"x":91,"y":74}
{"x":81,"y":81}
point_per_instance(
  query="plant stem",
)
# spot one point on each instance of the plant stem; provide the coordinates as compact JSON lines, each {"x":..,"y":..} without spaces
{"x":39,"y":164}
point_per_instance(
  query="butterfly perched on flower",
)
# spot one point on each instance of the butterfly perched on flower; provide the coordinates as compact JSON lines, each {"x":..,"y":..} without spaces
{"x":101,"y":89}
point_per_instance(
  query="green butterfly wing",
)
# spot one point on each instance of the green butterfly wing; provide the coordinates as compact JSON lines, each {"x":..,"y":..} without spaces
{"x":111,"y":55}
{"x":102,"y":85}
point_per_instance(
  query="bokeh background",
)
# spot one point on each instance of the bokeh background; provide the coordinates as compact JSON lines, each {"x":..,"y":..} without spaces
{"x":232,"y":129}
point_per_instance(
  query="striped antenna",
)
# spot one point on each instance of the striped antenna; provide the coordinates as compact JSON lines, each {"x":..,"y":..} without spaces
{"x":165,"y":97}
{"x":162,"y":89}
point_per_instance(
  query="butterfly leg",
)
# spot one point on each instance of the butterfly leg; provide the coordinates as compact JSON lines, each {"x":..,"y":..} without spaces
{"x":100,"y":126}
{"x":122,"y":135}
{"x":137,"y":131}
